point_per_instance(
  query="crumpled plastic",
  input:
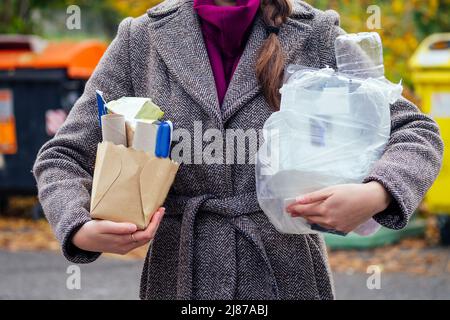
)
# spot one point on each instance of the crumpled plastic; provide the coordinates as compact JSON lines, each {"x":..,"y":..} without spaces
{"x":331,"y":129}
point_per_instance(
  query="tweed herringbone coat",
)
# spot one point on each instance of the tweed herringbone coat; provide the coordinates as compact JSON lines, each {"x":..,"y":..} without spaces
{"x":215,"y":242}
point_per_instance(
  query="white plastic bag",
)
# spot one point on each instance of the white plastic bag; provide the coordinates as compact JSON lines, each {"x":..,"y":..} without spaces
{"x":331,"y":129}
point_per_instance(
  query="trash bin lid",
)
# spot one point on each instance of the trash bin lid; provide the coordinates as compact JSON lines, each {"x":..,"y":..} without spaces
{"x":30,"y":52}
{"x":433,"y":53}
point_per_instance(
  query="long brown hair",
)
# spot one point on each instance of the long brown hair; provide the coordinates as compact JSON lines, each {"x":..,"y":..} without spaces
{"x":271,"y":59}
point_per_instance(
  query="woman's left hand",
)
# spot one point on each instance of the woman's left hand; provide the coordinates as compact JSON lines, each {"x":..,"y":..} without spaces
{"x":342,"y":207}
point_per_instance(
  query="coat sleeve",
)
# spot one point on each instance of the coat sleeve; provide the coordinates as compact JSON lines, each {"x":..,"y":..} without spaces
{"x":413,"y":157}
{"x":64,"y":165}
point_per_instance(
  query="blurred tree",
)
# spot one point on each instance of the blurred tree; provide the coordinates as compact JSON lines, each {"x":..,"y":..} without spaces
{"x":404,"y":24}
{"x":16,"y":15}
{"x":433,"y":17}
{"x":133,"y":8}
{"x":30,"y":16}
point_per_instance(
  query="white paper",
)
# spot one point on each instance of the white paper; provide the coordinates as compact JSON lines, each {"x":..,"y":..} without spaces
{"x":133,"y":108}
{"x":127,"y":106}
{"x":145,"y":136}
{"x":113,"y":129}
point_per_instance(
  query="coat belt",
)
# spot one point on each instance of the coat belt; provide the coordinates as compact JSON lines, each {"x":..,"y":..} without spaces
{"x":233,"y":210}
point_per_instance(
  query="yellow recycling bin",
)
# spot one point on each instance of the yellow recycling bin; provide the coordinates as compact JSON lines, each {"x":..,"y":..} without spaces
{"x":430,"y":67}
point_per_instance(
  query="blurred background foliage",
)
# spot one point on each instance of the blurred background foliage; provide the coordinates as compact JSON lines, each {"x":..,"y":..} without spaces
{"x":404,"y":23}
{"x":47,"y":18}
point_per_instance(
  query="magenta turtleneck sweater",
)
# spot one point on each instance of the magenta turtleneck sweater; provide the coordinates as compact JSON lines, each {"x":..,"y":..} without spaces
{"x":225,"y":30}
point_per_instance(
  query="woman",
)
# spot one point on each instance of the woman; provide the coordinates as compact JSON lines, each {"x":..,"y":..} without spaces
{"x":220,"y":63}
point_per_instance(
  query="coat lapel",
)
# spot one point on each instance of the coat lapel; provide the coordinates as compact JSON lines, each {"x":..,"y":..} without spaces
{"x":244,"y":84}
{"x":179,"y":41}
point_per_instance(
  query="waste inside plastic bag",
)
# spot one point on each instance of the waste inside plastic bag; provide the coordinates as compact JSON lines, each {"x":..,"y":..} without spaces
{"x":331,"y":129}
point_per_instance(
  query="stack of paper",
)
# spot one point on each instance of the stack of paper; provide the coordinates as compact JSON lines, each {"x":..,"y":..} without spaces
{"x":141,"y":127}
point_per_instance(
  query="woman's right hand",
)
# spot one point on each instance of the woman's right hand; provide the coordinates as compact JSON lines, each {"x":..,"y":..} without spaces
{"x":111,"y":237}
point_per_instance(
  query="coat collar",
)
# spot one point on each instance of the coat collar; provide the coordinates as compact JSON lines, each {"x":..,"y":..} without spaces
{"x":177,"y":36}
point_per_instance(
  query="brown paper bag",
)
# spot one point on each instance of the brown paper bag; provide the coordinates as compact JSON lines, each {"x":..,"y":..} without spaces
{"x":129,"y":185}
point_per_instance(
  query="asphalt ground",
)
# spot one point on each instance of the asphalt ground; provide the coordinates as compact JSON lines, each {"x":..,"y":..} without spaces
{"x":47,"y":275}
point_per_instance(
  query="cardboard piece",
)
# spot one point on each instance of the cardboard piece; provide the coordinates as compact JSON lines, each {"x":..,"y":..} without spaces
{"x":129,"y":185}
{"x":129,"y":128}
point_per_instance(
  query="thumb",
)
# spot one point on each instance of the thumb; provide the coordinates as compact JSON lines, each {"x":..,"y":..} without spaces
{"x":109,"y":227}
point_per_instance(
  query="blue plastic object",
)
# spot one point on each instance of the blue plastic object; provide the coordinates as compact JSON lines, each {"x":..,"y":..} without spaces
{"x":163,"y":140}
{"x":101,"y":106}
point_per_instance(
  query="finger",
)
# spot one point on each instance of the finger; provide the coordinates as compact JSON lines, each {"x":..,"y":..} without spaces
{"x":134,"y":245}
{"x":300,"y":210}
{"x":313,"y":197}
{"x":117,"y":240}
{"x":137,"y":244}
{"x":156,"y":219}
{"x":149,"y":233}
{"x":109,"y":227}
{"x":320,"y":221}
{"x":143,"y":236}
